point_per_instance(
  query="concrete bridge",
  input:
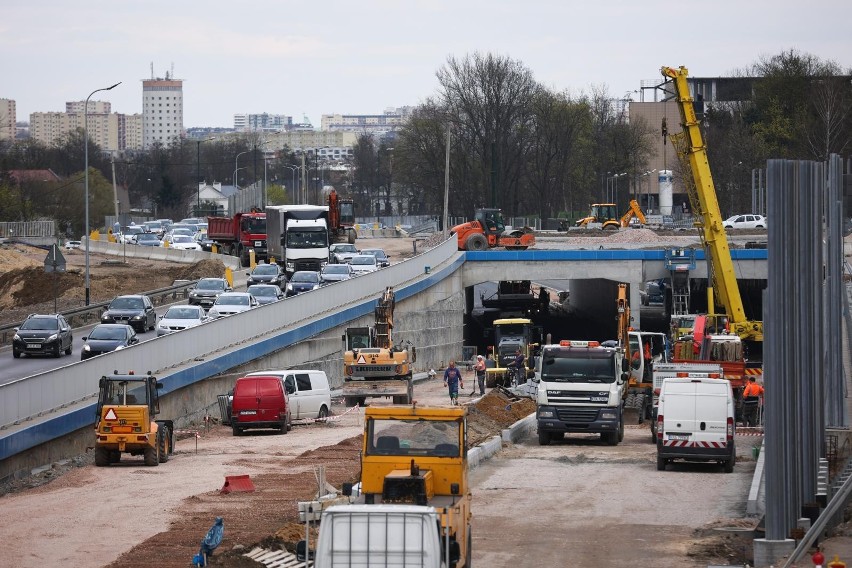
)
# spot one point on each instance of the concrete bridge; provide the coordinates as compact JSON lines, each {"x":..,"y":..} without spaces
{"x":47,"y":417}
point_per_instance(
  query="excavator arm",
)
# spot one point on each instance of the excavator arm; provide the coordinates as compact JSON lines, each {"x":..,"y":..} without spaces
{"x":713,"y":231}
{"x":633,"y":211}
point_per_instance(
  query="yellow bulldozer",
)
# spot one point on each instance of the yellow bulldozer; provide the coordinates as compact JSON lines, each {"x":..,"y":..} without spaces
{"x":607,"y":215}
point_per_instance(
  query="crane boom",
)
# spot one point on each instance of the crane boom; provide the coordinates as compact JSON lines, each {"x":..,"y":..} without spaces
{"x":713,"y":230}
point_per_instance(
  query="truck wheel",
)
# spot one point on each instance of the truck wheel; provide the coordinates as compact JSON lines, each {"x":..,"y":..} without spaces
{"x":163,"y":444}
{"x":729,"y":464}
{"x":621,"y":431}
{"x":661,"y":464}
{"x":114,"y":456}
{"x":351,"y":236}
{"x":101,"y":456}
{"x":401,"y":399}
{"x":476,"y":241}
{"x":350,"y":401}
{"x":543,"y":438}
{"x":611,"y":438}
{"x":468,"y":551}
{"x":151,"y":456}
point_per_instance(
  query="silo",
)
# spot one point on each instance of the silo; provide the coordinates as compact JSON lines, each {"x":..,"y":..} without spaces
{"x":665,"y":181}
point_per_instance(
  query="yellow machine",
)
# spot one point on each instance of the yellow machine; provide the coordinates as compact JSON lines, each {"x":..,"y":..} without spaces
{"x":702,"y":194}
{"x":607,"y":215}
{"x":125,"y":421}
{"x":509,"y":335}
{"x":373,"y":365}
{"x":418,"y":456}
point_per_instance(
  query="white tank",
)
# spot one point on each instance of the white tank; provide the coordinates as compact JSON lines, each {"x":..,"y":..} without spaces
{"x":665,"y":180}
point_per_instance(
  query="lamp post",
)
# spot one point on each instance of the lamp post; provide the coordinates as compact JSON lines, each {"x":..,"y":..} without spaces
{"x":293,"y":170}
{"x":86,"y":176}
{"x":648,"y":191}
{"x":198,"y":172}
{"x":236,"y":168}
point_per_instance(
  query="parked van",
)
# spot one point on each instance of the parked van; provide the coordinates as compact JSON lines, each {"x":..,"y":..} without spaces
{"x":308,"y":390}
{"x":695,"y":421}
{"x":260,"y":401}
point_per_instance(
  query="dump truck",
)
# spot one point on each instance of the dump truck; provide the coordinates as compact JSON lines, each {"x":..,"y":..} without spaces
{"x":127,"y":405}
{"x":413,"y":504}
{"x":240,"y":234}
{"x":488,"y":230}
{"x":373,"y":365}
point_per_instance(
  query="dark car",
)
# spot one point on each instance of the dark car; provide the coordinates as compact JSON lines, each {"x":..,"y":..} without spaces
{"x":207,"y":290}
{"x":382,"y":259}
{"x":265,"y":293}
{"x":336,"y":273}
{"x":43,"y":335}
{"x":267,"y":274}
{"x":146,"y":240}
{"x":135,"y":310}
{"x":106,"y":337}
{"x":205,"y":242}
{"x":303,"y":281}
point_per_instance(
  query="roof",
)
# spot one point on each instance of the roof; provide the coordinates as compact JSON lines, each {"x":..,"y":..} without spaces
{"x":25,"y":176}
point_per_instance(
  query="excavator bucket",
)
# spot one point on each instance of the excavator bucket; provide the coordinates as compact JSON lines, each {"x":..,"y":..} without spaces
{"x":237,"y":483}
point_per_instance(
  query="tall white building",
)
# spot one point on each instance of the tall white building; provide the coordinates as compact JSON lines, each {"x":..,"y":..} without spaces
{"x":7,"y":119}
{"x":162,"y":111}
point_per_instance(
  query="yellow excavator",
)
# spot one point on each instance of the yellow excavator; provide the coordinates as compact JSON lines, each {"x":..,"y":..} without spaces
{"x":607,"y":215}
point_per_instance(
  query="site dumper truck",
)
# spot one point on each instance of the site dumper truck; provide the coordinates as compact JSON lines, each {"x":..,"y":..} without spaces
{"x":127,"y":405}
{"x":581,"y":389}
{"x":413,"y":507}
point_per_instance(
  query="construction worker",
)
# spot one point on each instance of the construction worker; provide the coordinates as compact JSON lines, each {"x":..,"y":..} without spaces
{"x":752,"y":397}
{"x":518,"y":366}
{"x":479,"y":369}
{"x":453,"y":380}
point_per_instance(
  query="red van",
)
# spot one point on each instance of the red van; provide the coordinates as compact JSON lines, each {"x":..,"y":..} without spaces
{"x":260,"y":402}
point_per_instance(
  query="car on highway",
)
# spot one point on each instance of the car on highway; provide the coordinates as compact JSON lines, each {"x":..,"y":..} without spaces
{"x":128,"y":233}
{"x":303,"y":281}
{"x":183,"y":242}
{"x":336,"y":273}
{"x":267,"y":274}
{"x":265,"y":293}
{"x":178,"y":318}
{"x":230,"y":303}
{"x":106,"y":337}
{"x":207,"y":290}
{"x":382,"y":259}
{"x":155,"y":227}
{"x":339,"y":253}
{"x":748,"y":221}
{"x":43,"y":334}
{"x":135,"y":310}
{"x":146,"y":240}
{"x":205,"y":242}
{"x":71,"y":245}
{"x":172,"y":233}
{"x":364,"y":264}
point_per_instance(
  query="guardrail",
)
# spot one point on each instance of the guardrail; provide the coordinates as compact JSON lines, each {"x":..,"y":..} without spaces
{"x":80,"y":317}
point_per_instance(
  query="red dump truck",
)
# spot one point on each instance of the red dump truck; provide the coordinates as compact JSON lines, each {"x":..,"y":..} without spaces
{"x":239,"y":234}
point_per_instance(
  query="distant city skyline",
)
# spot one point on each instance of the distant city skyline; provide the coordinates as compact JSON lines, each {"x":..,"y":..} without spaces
{"x":360,"y":58}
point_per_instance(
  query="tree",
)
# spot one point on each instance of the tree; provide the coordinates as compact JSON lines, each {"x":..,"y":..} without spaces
{"x":276,"y":195}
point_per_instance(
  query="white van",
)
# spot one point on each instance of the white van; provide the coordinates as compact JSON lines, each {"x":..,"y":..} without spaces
{"x":310,"y":395}
{"x":695,"y":421}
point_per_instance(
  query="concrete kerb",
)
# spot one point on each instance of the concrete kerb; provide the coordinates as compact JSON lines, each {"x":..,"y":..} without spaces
{"x":753,"y":505}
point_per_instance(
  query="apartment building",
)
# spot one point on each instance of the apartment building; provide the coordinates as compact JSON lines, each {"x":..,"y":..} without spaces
{"x":7,"y":119}
{"x":376,"y":124}
{"x":162,"y":111}
{"x":262,"y":122}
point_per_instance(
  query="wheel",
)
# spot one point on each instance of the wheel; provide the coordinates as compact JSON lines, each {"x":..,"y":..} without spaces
{"x":543,"y":438}
{"x":611,"y":438}
{"x":163,"y":444}
{"x":351,"y":236}
{"x":16,"y":354}
{"x":68,"y":350}
{"x":350,"y":401}
{"x":468,"y":551}
{"x":476,"y":241}
{"x":102,"y":456}
{"x":58,"y":352}
{"x":152,"y":457}
{"x":610,"y":226}
{"x":236,"y":430}
{"x":661,"y":464}
{"x":729,"y":464}
{"x":401,"y":399}
{"x":323,"y":413}
{"x":114,"y":456}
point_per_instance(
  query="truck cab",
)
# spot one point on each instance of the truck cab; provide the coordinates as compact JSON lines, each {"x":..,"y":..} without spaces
{"x":581,"y":388}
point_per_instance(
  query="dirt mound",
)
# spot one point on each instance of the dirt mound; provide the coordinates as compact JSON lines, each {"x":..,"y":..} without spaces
{"x":203,"y":269}
{"x":31,"y":285}
{"x":494,"y":412}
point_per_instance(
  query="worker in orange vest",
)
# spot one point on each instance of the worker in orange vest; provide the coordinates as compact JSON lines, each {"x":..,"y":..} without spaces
{"x":752,"y":399}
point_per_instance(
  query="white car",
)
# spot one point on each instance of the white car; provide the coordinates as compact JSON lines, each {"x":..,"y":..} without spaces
{"x":181,"y":317}
{"x":71,"y":245}
{"x":745,"y":222}
{"x":130,"y":232}
{"x":230,"y":303}
{"x":341,"y":252}
{"x":183,"y":242}
{"x":363,"y":264}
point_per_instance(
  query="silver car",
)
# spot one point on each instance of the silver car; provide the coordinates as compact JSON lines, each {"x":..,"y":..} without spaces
{"x":336,"y":273}
{"x":265,"y":293}
{"x":231,"y":303}
{"x":178,"y":318}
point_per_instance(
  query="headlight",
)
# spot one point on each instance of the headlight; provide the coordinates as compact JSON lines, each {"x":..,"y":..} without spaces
{"x":289,"y":286}
{"x":105,"y":317}
{"x":17,"y":337}
{"x":51,"y":338}
{"x":193,"y":294}
{"x":86,"y":348}
{"x":608,"y":415}
{"x":290,"y":266}
{"x":162,"y":325}
{"x":545,"y":414}
{"x":138,"y":317}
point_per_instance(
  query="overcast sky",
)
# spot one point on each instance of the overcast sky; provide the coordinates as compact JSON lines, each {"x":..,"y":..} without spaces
{"x":361,"y":57}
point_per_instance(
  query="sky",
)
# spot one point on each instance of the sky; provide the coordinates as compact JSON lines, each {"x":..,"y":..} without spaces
{"x":313,"y":58}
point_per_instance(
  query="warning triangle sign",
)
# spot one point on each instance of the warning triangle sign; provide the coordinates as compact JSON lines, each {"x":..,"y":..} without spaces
{"x":110,"y":415}
{"x":361,"y":360}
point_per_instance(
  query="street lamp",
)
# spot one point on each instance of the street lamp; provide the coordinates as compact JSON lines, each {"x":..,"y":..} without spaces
{"x":198,"y":172}
{"x":236,"y":162}
{"x":648,"y":192}
{"x":294,"y":169}
{"x":86,"y":174}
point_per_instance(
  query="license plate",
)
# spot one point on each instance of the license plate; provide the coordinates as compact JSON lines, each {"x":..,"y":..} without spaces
{"x":33,"y":346}
{"x":679,"y":437}
{"x":247,"y":412}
